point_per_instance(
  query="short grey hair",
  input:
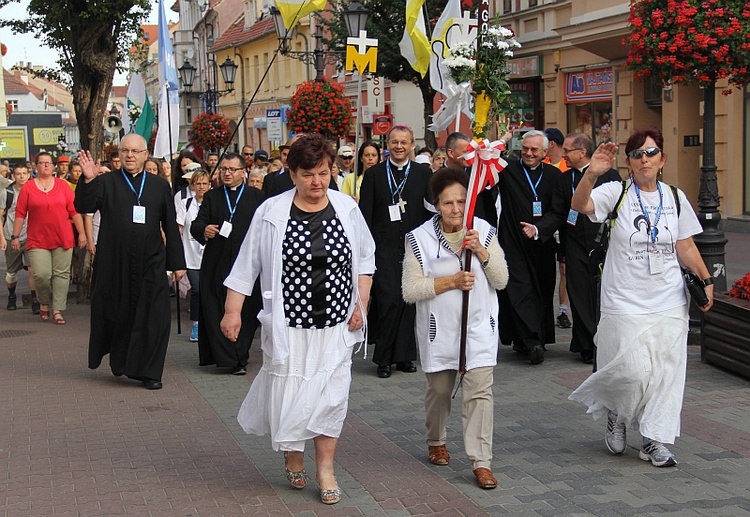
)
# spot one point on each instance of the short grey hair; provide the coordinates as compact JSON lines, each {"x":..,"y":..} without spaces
{"x":536,"y":132}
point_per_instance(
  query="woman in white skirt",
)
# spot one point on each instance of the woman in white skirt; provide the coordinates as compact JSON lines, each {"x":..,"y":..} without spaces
{"x":315,"y":256}
{"x":642,"y":335}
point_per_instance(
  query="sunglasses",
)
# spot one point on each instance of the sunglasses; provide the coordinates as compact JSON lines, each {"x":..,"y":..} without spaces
{"x":637,"y":154}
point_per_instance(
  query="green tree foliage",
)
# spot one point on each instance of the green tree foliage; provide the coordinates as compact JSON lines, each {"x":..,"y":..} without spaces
{"x":93,"y":38}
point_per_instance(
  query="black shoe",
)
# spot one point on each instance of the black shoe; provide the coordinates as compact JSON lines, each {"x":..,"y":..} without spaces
{"x":384,"y":372}
{"x":11,"y":302}
{"x":35,"y":306}
{"x":563,"y":321}
{"x":151,"y":384}
{"x":239,"y":370}
{"x":536,"y":354}
{"x":407,"y":367}
{"x":587,"y":357}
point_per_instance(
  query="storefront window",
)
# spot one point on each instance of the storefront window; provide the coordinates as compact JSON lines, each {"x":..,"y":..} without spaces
{"x":593,"y":119}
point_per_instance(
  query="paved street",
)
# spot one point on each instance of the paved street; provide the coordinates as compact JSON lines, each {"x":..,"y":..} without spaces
{"x":75,"y":441}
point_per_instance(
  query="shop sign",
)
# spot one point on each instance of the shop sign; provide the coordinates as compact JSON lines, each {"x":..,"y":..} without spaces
{"x":589,"y":85}
{"x":13,"y":143}
{"x":523,"y":67}
{"x":381,"y":124}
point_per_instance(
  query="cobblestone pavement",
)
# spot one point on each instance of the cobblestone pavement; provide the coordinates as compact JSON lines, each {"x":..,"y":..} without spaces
{"x":75,"y":441}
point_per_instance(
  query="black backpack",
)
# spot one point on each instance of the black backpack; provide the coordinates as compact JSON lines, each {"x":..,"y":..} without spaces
{"x":9,"y":195}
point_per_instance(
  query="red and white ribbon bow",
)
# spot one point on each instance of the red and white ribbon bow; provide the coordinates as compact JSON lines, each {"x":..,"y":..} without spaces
{"x":486,"y":164}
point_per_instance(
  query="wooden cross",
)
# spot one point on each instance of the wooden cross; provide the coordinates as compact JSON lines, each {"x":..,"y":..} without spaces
{"x":402,"y":205}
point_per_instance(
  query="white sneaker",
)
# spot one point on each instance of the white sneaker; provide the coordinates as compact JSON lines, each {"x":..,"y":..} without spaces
{"x":657,"y":453}
{"x":615,"y":437}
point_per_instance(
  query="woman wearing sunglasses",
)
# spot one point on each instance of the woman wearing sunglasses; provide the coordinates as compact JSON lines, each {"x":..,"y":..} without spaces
{"x":642,"y":335}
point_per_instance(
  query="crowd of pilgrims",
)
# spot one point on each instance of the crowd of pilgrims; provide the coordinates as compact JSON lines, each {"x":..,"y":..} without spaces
{"x":380,"y":240}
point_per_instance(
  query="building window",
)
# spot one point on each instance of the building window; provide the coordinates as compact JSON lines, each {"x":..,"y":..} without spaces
{"x":507,"y":6}
{"x":13,"y":104}
{"x":533,"y":3}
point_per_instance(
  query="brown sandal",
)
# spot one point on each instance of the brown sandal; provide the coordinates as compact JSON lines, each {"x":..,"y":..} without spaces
{"x":485,"y":479}
{"x":438,"y":455}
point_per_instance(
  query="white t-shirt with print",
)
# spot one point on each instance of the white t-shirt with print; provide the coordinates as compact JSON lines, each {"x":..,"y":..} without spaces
{"x":628,"y":287}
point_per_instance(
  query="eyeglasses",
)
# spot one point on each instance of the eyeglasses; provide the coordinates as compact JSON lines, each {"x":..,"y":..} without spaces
{"x":637,"y":154}
{"x":44,"y":163}
{"x":532,"y":150}
{"x":347,"y":157}
{"x":566,"y":151}
{"x":201,"y":184}
{"x":247,"y":154}
{"x":132,"y":151}
{"x":231,"y":169}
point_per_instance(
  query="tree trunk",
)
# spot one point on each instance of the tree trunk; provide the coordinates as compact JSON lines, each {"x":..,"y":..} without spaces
{"x":428,"y":97}
{"x":93,"y":70}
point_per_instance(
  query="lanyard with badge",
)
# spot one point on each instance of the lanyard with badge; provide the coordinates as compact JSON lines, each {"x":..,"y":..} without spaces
{"x":655,"y":258}
{"x":536,"y":206}
{"x":573,"y":214}
{"x":226,"y":226}
{"x":395,"y":209}
{"x":139,"y":212}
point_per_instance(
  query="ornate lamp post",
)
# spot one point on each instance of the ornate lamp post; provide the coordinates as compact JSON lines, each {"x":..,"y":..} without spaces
{"x":355,"y":17}
{"x":228,"y":72}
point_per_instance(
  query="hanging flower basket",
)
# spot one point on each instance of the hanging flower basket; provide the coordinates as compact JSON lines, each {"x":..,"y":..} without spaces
{"x":209,"y":131}
{"x":320,"y":107}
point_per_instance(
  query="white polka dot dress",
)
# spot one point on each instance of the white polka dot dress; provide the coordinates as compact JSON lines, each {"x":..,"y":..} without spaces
{"x":317,"y":262}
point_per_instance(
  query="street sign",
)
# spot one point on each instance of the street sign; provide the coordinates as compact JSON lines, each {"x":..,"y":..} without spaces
{"x":275,"y":127}
{"x":381,"y":124}
{"x":14,"y":143}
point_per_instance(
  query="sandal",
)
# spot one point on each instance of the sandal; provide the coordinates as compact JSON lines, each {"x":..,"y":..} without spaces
{"x":44,"y":313}
{"x":330,"y":495}
{"x":438,"y":455}
{"x":296,"y":479}
{"x":57,"y":318}
{"x":485,"y":479}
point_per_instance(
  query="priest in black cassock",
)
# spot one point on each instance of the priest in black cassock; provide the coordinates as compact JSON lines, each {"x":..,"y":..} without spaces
{"x":130,"y":309}
{"x":525,"y":230}
{"x":392,"y":200}
{"x":221,"y":224}
{"x":583,"y":254}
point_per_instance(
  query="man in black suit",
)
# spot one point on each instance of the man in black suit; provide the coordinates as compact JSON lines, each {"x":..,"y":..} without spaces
{"x":392,"y":200}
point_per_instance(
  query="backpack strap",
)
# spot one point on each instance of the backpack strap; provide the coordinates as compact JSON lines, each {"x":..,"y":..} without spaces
{"x":9,"y":194}
{"x":676,"y":198}
{"x":187,"y":203}
{"x":612,"y":216}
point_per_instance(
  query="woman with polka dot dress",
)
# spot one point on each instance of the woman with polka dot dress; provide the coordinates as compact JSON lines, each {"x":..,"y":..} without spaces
{"x":315,"y":265}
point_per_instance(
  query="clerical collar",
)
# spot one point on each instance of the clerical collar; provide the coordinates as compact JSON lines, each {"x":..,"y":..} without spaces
{"x":235,"y":187}
{"x":397,"y":166}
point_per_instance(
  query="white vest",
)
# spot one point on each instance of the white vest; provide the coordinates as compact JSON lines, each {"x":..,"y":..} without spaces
{"x":438,"y":322}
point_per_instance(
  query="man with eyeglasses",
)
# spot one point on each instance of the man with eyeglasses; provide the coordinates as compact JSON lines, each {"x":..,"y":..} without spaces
{"x":130,"y":306}
{"x":393,"y":199}
{"x":526,"y":227}
{"x":345,"y":161}
{"x":582,"y":254}
{"x":221,"y":224}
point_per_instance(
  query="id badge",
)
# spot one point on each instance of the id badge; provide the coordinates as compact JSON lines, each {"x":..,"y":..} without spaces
{"x":536,"y":208}
{"x":139,"y":214}
{"x":226,"y":229}
{"x":655,"y":263}
{"x":395,"y":212}
{"x":572,"y":217}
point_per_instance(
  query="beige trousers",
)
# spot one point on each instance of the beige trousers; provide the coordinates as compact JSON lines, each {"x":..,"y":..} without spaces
{"x":476,"y":411}
{"x":51,"y":265}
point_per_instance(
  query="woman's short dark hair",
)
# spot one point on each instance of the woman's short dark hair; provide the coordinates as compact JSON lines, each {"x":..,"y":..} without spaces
{"x":446,"y":177}
{"x":308,"y":151}
{"x":638,"y":138}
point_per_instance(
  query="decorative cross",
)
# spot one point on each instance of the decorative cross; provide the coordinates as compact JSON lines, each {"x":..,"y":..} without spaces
{"x":362,"y":42}
{"x":402,"y":205}
{"x":467,"y":27}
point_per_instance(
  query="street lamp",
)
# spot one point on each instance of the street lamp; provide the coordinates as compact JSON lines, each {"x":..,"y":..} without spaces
{"x":211,"y":95}
{"x":355,"y":17}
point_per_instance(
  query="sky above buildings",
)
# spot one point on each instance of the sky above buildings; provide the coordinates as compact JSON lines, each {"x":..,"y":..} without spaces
{"x":25,"y":47}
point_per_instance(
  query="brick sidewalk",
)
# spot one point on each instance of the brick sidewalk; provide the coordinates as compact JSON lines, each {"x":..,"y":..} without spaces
{"x":76,"y":441}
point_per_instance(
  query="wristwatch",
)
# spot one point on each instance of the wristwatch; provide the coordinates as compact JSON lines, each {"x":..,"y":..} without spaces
{"x":485,"y":263}
{"x":13,"y":237}
{"x":708,"y":281}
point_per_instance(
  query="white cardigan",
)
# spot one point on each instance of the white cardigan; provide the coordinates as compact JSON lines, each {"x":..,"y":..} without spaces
{"x":260,"y":255}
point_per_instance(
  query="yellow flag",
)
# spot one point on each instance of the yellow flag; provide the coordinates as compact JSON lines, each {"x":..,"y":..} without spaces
{"x":292,"y":10}
{"x":414,"y":45}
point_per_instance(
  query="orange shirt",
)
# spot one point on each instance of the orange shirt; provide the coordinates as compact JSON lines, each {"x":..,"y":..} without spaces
{"x":562,"y":165}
